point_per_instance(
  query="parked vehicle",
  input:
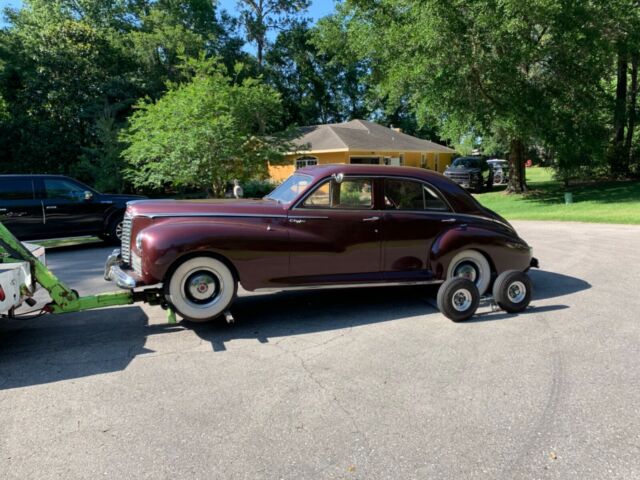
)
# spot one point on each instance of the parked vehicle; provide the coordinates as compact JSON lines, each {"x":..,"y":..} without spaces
{"x":472,"y":173}
{"x":500,"y":171}
{"x":326,"y":226}
{"x":54,"y":206}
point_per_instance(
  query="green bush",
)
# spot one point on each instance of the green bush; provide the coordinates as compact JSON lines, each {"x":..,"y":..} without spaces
{"x":257,"y":188}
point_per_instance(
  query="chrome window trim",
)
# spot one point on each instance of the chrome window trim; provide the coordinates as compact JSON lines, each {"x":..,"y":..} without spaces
{"x":428,"y":186}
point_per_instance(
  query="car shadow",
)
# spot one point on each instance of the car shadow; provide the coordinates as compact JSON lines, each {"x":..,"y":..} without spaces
{"x":56,"y":348}
{"x":548,"y":285}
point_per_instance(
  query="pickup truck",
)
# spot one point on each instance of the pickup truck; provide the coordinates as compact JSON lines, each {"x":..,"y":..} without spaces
{"x":53,"y":206}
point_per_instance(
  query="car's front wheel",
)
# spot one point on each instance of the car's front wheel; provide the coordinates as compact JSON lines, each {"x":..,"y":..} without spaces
{"x":201,"y":289}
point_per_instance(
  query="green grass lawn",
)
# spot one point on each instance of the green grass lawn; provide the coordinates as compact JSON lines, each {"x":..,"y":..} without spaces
{"x":605,"y":202}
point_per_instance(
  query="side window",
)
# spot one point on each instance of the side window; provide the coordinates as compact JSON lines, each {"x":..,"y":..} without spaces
{"x":16,"y":189}
{"x":63,"y":190}
{"x":409,"y":195}
{"x":321,"y":198}
{"x":353,"y":194}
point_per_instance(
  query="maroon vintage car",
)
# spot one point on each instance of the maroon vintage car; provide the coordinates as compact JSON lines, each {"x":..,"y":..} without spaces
{"x":326,"y":226}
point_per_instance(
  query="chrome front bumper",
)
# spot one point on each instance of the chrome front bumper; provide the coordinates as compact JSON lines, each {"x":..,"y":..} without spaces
{"x":113,"y":272}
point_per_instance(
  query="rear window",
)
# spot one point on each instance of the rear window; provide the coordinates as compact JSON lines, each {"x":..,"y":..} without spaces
{"x":16,"y":189}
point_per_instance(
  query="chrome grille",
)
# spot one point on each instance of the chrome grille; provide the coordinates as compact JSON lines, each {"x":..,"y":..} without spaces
{"x":458,"y":177}
{"x":126,"y":239}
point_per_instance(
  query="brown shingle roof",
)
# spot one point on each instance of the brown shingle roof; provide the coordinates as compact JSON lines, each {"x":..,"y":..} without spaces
{"x":361,"y":135}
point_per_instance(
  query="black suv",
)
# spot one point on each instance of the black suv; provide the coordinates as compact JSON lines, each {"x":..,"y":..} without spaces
{"x":53,"y":206}
{"x":472,"y":173}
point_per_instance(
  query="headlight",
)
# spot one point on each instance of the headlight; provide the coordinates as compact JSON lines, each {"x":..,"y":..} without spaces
{"x":139,"y":242}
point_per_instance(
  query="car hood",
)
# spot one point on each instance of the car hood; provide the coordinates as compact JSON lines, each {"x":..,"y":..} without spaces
{"x":115,"y":197}
{"x":461,"y":170}
{"x":213,"y":207}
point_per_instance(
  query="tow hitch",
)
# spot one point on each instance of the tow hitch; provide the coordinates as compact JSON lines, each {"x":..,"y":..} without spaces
{"x":65,"y":299}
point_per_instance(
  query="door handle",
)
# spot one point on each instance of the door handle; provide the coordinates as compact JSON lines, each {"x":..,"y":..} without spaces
{"x":296,"y":220}
{"x":448,"y":220}
{"x":3,"y":209}
{"x":371,"y":219}
{"x":51,"y":207}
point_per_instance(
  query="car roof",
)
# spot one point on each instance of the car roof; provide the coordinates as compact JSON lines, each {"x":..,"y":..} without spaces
{"x":375,"y":170}
{"x":460,"y":200}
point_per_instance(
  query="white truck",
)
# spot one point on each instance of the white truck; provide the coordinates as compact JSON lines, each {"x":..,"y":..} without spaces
{"x":16,"y":282}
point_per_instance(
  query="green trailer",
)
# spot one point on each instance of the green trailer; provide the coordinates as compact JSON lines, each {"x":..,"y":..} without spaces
{"x":30,"y":272}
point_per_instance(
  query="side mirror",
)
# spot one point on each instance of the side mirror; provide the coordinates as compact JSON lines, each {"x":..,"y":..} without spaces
{"x":88,"y":195}
{"x":338,"y":177}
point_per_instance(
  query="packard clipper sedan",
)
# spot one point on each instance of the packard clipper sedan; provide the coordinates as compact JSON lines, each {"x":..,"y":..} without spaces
{"x":328,"y":226}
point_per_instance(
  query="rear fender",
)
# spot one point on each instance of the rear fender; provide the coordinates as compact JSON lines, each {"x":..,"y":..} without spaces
{"x":504,"y":252}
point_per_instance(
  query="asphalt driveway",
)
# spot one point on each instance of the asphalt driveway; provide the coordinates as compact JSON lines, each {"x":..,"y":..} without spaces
{"x":355,"y":384}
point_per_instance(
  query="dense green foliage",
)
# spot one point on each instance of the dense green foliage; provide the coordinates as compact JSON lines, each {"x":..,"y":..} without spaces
{"x":202,"y":133}
{"x":87,"y":85}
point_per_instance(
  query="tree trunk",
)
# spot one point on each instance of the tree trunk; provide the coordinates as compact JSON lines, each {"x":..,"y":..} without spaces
{"x":633,"y":99}
{"x":517,"y":181}
{"x":260,"y":55}
{"x":618,"y":160}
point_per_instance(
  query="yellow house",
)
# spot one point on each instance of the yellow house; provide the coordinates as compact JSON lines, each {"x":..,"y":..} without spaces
{"x":359,"y":141}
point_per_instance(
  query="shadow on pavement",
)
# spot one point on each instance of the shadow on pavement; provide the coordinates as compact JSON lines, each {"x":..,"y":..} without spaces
{"x":551,"y":285}
{"x":55,"y":348}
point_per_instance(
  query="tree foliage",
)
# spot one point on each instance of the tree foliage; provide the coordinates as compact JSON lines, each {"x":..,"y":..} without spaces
{"x":202,"y":133}
{"x":529,"y":69}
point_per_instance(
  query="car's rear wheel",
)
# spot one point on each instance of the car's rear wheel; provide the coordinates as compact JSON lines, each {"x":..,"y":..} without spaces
{"x":458,"y":299}
{"x":472,"y":265}
{"x":201,"y":289}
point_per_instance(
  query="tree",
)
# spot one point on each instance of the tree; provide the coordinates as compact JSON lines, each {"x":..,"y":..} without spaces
{"x":525,"y":68}
{"x":258,"y":17}
{"x":202,"y":133}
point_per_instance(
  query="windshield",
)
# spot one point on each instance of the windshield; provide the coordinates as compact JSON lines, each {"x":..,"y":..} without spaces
{"x":466,"y":163}
{"x":289,"y":190}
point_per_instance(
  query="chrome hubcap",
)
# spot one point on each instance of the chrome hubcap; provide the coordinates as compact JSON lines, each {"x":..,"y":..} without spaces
{"x":119,"y":231}
{"x":202,"y":286}
{"x":462,"y":300}
{"x":516,"y":292}
{"x":466,"y":270}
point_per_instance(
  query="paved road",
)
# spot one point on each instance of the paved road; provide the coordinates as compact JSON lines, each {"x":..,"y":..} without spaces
{"x":361,"y":384}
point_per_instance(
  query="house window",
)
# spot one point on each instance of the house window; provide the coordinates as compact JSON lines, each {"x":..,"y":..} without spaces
{"x":401,"y":159}
{"x":423,"y":161}
{"x":306,"y":162}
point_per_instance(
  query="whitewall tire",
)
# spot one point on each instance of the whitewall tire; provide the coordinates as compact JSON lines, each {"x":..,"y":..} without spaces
{"x":472,"y":265}
{"x":201,"y":288}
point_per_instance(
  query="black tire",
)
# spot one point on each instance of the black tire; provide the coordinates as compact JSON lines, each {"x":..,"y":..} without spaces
{"x":114,"y":231}
{"x":458,"y":299}
{"x":512,"y":291}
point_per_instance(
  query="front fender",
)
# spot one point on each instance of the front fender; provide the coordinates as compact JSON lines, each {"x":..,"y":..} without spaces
{"x":503,"y":251}
{"x":255,"y":248}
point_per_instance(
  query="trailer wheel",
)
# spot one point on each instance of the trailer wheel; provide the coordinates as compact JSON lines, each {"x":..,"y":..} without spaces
{"x":201,"y":289}
{"x":512,"y":291}
{"x":458,"y":299}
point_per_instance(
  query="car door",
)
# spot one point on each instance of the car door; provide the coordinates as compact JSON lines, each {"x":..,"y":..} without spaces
{"x":68,"y":209}
{"x":414,"y":215}
{"x":20,"y":210}
{"x":334,"y":234}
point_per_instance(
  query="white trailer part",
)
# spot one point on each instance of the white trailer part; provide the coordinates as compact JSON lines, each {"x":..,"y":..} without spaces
{"x":16,"y":282}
